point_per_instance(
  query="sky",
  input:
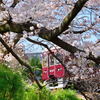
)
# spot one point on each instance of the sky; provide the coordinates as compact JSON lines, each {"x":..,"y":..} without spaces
{"x":30,"y":47}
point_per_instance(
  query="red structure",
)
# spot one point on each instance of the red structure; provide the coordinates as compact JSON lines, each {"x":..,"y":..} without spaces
{"x":45,"y":75}
{"x":57,"y":71}
{"x":51,"y":67}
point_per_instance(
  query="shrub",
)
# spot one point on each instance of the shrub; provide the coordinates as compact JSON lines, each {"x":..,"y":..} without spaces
{"x":61,"y":94}
{"x":36,"y":66}
{"x":34,"y":93}
{"x":11,"y":85}
{"x":45,"y":94}
{"x":30,"y":93}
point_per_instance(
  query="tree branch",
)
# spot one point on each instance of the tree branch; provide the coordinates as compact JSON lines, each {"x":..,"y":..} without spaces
{"x":17,"y":27}
{"x":18,"y":37}
{"x":73,"y":49}
{"x":14,"y":3}
{"x":96,"y":60}
{"x":68,"y":19}
{"x":21,"y":62}
{"x":44,"y":45}
{"x":49,"y":34}
{"x":65,"y":45}
{"x":78,"y":32}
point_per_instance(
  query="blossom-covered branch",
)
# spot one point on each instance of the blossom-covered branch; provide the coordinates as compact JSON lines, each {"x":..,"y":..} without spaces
{"x":20,"y":61}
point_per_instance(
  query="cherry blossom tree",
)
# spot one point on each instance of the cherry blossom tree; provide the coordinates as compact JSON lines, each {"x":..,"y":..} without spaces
{"x":69,"y":24}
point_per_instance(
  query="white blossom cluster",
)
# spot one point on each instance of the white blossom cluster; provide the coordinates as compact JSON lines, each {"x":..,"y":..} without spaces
{"x":18,"y":48}
{"x":78,"y":65}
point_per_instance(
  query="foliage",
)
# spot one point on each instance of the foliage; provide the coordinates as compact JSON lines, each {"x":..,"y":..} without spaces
{"x":30,"y":93}
{"x":36,"y":67}
{"x":45,"y":94}
{"x":61,"y":94}
{"x":11,"y":85}
{"x":33,"y":93}
{"x":36,"y":64}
